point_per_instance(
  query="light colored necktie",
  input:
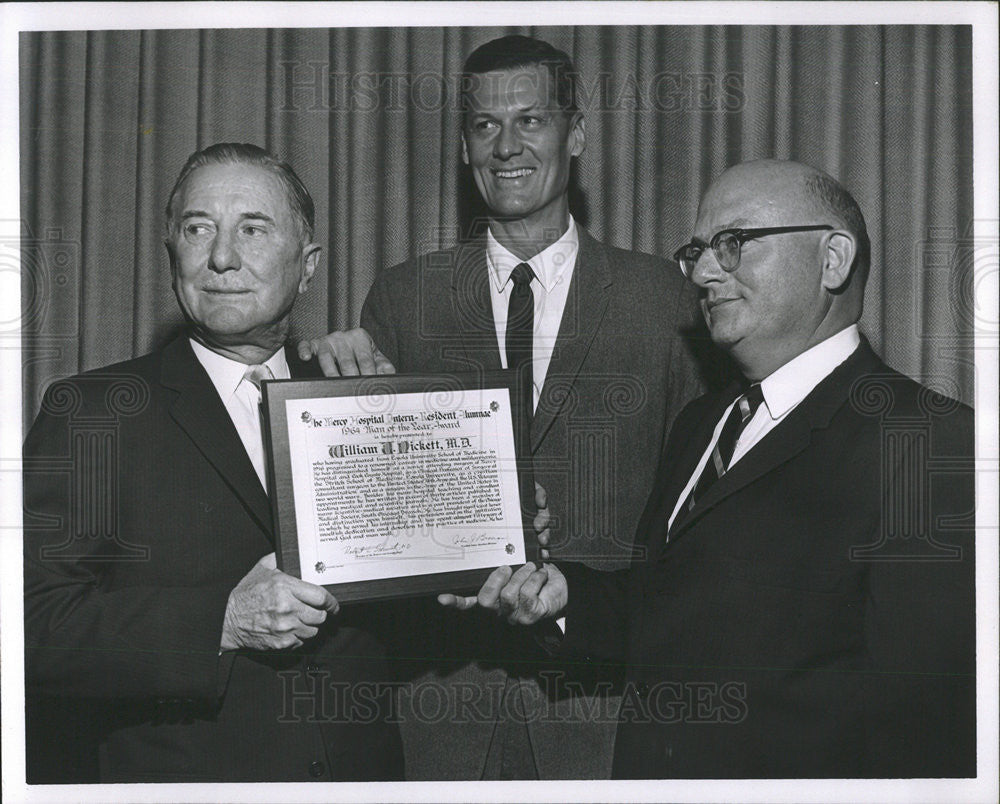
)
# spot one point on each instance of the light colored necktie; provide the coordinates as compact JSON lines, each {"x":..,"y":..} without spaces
{"x":255,"y":373}
{"x":253,"y":441}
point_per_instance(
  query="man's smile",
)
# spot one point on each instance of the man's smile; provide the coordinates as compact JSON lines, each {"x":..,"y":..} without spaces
{"x":512,"y":173}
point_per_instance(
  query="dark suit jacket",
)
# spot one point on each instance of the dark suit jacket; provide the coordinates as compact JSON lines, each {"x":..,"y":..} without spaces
{"x":814,"y":616}
{"x":142,"y":512}
{"x":621,"y":370}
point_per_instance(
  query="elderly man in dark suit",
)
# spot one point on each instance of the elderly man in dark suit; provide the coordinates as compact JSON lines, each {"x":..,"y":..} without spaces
{"x":807,"y":602}
{"x":152,"y":601}
{"x":598,"y":336}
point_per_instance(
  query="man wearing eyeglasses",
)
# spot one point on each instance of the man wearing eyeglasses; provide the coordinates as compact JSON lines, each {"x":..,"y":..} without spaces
{"x":807,"y":606}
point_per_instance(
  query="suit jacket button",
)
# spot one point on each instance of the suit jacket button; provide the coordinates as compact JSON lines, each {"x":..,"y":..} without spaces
{"x":317,"y":769}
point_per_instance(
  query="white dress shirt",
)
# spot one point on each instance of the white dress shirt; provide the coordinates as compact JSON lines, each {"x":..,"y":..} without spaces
{"x":241,"y":397}
{"x":783,"y":390}
{"x":553,"y":269}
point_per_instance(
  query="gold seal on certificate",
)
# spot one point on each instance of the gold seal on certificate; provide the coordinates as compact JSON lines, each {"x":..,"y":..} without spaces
{"x":396,"y":485}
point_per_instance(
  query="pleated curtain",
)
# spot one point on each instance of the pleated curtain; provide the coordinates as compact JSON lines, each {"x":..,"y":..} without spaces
{"x":369,"y":119}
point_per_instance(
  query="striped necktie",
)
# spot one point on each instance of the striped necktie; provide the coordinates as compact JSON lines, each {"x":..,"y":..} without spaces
{"x":722,"y":453}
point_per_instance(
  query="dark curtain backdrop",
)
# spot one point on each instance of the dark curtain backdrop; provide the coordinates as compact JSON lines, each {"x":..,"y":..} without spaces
{"x":368,"y":117}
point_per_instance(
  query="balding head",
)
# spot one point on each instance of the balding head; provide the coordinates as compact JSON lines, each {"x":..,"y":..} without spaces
{"x":790,"y":290}
{"x":796,"y":189}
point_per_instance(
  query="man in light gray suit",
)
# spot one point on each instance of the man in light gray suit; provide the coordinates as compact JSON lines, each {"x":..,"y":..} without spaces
{"x":608,"y":366}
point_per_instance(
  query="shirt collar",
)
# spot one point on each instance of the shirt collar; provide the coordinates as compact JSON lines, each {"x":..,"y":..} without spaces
{"x":548,"y":265}
{"x":795,"y":380}
{"x":226,"y":373}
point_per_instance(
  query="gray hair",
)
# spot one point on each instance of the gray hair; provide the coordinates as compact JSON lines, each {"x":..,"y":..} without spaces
{"x":232,"y":153}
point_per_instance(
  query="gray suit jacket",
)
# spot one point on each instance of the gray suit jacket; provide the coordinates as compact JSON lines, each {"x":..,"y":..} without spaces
{"x":624,"y":365}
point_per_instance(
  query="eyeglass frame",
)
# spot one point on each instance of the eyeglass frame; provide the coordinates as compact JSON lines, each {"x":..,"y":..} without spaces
{"x":742,"y":236}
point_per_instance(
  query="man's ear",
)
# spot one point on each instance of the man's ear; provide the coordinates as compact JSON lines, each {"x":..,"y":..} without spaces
{"x":309,"y":263}
{"x":578,"y":130}
{"x":172,"y":259}
{"x":841,"y":246}
{"x":465,"y":148}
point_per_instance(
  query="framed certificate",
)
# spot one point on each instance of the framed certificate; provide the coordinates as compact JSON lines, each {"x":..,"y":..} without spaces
{"x":392,"y":486}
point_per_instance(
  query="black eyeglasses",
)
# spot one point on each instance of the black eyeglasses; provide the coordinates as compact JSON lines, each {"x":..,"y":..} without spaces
{"x":728,"y":243}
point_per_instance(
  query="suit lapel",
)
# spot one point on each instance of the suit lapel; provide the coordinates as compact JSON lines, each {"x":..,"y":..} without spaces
{"x":589,"y":294}
{"x":786,"y":440}
{"x":679,"y":463}
{"x":682,"y":467}
{"x":200,"y":413}
{"x":473,"y":309}
{"x":586,"y":306}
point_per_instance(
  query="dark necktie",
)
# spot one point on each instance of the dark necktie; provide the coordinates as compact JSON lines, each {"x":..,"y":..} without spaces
{"x":722,"y":453}
{"x":520,"y":332}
